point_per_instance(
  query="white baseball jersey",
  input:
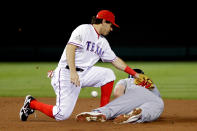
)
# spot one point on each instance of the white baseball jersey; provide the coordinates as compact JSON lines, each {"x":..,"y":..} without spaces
{"x":91,"y":47}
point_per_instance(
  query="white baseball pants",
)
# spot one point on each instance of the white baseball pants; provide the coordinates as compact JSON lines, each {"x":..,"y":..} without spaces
{"x":67,"y":93}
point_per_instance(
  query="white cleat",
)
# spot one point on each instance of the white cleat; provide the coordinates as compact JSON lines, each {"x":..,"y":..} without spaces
{"x":91,"y":116}
{"x":131,"y":117}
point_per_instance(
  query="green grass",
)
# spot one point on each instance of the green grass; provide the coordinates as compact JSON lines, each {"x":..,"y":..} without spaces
{"x":175,"y":80}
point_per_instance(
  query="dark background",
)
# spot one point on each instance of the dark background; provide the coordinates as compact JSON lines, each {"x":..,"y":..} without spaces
{"x":39,"y":32}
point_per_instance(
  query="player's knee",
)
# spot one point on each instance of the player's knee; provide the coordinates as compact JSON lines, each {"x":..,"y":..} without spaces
{"x":162,"y":106}
{"x":64,"y":117}
{"x":62,"y":114}
{"x":109,"y":74}
{"x":61,"y":117}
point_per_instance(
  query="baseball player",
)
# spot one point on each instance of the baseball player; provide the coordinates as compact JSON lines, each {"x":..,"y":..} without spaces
{"x":76,"y":69}
{"x":133,"y":104}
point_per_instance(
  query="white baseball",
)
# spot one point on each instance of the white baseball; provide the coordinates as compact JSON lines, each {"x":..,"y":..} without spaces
{"x":94,"y":93}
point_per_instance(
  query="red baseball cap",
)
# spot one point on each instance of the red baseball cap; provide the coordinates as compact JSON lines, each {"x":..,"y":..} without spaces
{"x":107,"y":15}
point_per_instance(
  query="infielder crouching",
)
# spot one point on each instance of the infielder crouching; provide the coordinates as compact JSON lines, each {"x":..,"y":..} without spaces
{"x":133,"y":104}
{"x":86,"y":46}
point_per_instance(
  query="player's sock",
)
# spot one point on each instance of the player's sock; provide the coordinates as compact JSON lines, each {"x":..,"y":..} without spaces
{"x":44,"y":108}
{"x":106,"y":91}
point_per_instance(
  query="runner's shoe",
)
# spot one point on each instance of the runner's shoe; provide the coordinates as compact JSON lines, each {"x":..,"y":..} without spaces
{"x":131,"y":117}
{"x":91,"y":116}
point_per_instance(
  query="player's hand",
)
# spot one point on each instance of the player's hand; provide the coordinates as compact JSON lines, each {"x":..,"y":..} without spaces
{"x":74,"y":78}
{"x":137,"y":75}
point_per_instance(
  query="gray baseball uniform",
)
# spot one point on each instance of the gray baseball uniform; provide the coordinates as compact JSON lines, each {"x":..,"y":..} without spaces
{"x":135,"y":96}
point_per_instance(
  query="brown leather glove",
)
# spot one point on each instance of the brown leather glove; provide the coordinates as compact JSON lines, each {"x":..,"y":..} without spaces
{"x":143,"y":80}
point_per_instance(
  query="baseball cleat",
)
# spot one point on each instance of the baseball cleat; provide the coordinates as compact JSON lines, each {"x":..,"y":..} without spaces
{"x":131,"y":117}
{"x":91,"y":116}
{"x":26,"y":110}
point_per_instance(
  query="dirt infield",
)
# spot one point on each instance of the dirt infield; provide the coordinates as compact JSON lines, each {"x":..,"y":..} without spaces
{"x":179,"y":115}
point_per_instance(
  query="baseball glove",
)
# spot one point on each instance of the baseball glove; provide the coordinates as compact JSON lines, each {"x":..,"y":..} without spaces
{"x":143,"y":80}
